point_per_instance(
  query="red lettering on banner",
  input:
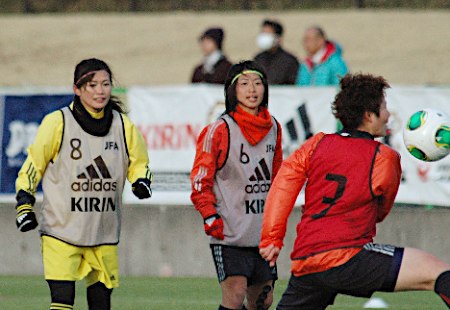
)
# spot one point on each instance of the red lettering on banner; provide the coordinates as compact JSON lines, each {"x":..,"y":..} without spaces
{"x":170,"y":136}
{"x":193,"y":132}
{"x":144,"y":131}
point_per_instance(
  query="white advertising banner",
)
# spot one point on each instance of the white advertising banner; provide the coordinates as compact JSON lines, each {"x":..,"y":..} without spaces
{"x":171,"y":118}
{"x":425,"y":183}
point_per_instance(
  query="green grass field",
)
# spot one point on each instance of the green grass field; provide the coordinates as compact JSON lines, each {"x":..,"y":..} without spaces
{"x":31,"y":293}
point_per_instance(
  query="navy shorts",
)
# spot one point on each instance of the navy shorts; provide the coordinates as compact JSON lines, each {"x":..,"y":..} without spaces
{"x":242,"y":261}
{"x":373,"y":269}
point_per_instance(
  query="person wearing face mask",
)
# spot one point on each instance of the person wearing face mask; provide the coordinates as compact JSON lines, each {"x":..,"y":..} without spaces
{"x":215,"y":65}
{"x":281,"y":66}
{"x":324,"y":64}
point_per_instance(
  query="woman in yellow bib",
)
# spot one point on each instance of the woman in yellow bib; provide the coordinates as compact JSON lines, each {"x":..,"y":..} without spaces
{"x":83,"y":153}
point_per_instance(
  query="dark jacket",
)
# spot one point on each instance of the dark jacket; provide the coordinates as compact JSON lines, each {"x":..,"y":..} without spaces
{"x":281,"y":67}
{"x":217,"y":77}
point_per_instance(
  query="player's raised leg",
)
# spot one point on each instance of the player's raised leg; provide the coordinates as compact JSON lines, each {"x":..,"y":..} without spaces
{"x":422,"y":271}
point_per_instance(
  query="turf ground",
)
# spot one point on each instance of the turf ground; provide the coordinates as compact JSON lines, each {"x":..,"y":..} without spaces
{"x":31,"y":293}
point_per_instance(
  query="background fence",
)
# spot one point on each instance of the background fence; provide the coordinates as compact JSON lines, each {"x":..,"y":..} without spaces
{"x":66,"y":6}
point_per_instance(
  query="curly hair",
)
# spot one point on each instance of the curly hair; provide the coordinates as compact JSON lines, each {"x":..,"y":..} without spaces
{"x":359,"y":93}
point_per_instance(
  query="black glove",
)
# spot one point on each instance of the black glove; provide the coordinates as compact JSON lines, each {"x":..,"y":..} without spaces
{"x":141,"y":188}
{"x":25,"y":218}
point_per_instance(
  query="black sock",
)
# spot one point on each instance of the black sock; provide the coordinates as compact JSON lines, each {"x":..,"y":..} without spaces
{"x":442,"y":287}
{"x":62,"y":294}
{"x":224,"y":308}
{"x":99,"y":297}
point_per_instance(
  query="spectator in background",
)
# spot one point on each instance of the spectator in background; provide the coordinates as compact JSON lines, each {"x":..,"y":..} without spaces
{"x":324,"y":64}
{"x":281,"y":66}
{"x":215,"y":66}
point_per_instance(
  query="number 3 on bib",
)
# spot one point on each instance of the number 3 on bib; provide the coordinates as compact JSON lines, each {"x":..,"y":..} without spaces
{"x":341,"y":181}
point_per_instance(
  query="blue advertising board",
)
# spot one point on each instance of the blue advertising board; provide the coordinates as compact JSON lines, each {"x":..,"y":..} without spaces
{"x":20,"y":117}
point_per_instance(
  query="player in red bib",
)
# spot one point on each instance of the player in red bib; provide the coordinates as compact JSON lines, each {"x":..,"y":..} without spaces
{"x":351,"y":183}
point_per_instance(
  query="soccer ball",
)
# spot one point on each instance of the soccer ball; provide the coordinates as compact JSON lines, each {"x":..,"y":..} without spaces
{"x":427,"y":135}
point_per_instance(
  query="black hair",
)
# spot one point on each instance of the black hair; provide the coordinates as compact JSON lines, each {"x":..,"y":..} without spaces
{"x":230,"y":89}
{"x":85,"y":71}
{"x":215,"y":34}
{"x":276,"y":26}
